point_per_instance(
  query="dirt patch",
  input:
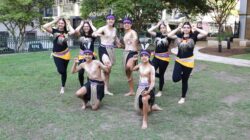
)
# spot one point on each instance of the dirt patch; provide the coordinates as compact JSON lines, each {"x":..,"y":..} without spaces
{"x":230,"y":100}
{"x":227,"y":77}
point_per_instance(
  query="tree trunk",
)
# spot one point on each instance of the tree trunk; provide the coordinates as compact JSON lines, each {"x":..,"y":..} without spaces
{"x":220,"y":38}
{"x":219,"y":46}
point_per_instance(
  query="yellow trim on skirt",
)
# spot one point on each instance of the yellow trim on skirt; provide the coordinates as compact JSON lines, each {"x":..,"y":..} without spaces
{"x":163,"y":58}
{"x":65,"y":56}
{"x":187,"y":62}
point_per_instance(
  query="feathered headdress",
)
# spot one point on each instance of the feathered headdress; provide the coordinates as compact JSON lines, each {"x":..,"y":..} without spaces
{"x":144,"y":49}
{"x":126,"y":19}
{"x":110,"y":15}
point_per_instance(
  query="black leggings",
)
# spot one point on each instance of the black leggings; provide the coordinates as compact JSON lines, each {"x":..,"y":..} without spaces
{"x":81,"y":74}
{"x":61,"y":66}
{"x":182,"y":73}
{"x":162,"y":65}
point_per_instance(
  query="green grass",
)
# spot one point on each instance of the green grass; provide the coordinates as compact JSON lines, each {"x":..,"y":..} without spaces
{"x":243,"y":56}
{"x":217,"y":105}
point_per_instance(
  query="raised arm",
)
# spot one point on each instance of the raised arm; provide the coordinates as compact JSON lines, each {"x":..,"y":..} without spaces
{"x":71,"y":30}
{"x":77,"y":30}
{"x":136,"y":68}
{"x":92,"y":26}
{"x":168,"y":27}
{"x":103,"y":67}
{"x":202,"y":33}
{"x":75,"y":68}
{"x":151,"y":30}
{"x":48,"y":27}
{"x":173,"y":32}
{"x":98,"y":32}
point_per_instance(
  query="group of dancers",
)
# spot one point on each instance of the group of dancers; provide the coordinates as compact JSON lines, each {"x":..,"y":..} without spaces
{"x":98,"y":71}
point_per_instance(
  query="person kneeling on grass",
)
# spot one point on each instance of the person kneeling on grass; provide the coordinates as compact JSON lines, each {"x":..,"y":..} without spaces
{"x":145,"y":96}
{"x":93,"y":90}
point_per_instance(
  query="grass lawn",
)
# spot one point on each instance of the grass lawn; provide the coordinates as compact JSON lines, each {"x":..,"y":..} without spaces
{"x":217,"y":105}
{"x":242,"y":56}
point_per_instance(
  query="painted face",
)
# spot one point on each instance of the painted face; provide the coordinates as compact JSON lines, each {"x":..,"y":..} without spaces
{"x":86,"y":27}
{"x":144,"y":58}
{"x":163,"y":28}
{"x":110,"y":21}
{"x":127,"y":26}
{"x":88,"y":56}
{"x":186,"y":29}
{"x":61,"y":25}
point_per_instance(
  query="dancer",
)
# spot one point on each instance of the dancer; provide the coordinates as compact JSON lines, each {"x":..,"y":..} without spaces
{"x":108,"y":37}
{"x":131,"y":47}
{"x":61,"y":53}
{"x":145,"y":96}
{"x":161,"y":56}
{"x":84,"y":32}
{"x":93,"y":90}
{"x":184,"y":62}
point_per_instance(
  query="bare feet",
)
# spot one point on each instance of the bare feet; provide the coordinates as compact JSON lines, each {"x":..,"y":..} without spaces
{"x":181,"y":101}
{"x":108,"y":93}
{"x":144,"y":125}
{"x":83,"y":107}
{"x":129,"y":94}
{"x":155,"y":107}
{"x":62,"y":90}
{"x":158,"y":94}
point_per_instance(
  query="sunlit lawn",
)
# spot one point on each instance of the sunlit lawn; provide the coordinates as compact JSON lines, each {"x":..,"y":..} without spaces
{"x":217,"y":105}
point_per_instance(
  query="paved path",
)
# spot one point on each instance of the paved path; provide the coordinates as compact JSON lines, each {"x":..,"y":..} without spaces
{"x":218,"y":59}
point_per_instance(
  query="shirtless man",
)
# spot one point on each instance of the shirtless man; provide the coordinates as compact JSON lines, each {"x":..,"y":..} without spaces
{"x":145,"y":96}
{"x":93,"y":90}
{"x":131,"y":43}
{"x":108,"y":37}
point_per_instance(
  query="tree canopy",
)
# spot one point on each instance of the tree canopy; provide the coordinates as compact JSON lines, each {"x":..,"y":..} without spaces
{"x":221,"y":9}
{"x":17,"y":14}
{"x":142,"y":11}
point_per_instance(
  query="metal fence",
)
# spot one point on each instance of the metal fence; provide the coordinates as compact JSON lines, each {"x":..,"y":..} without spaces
{"x":30,"y":44}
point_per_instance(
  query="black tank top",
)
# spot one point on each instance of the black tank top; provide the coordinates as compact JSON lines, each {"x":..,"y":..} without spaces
{"x":161,"y":43}
{"x":60,"y":40}
{"x":84,"y":39}
{"x":186,"y":45}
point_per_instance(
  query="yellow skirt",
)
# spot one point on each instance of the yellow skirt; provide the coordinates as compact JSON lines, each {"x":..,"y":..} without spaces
{"x":63,"y":54}
{"x":187,"y":62}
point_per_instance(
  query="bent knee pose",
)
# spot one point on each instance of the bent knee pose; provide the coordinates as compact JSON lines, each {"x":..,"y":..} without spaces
{"x":86,"y":40}
{"x":106,"y":50}
{"x":145,"y":96}
{"x":184,"y":62}
{"x":93,"y":89}
{"x":131,"y":43}
{"x":61,"y":53}
{"x":161,"y":58}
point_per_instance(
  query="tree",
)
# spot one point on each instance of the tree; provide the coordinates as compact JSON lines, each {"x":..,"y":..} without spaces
{"x":189,"y":7}
{"x":141,"y":11}
{"x":16,"y":15}
{"x":221,"y":10}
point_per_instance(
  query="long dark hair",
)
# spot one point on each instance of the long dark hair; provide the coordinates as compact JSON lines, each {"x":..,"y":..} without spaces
{"x":163,"y":25}
{"x":188,"y":23}
{"x":90,"y":29}
{"x":65,"y":27}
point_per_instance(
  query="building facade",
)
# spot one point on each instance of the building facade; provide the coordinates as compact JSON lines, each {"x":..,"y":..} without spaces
{"x":245,"y":19}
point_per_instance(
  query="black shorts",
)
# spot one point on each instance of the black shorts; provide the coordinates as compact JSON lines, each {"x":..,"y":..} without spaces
{"x":100,"y":89}
{"x":109,"y":51}
{"x":130,"y":55}
{"x":151,"y":100}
